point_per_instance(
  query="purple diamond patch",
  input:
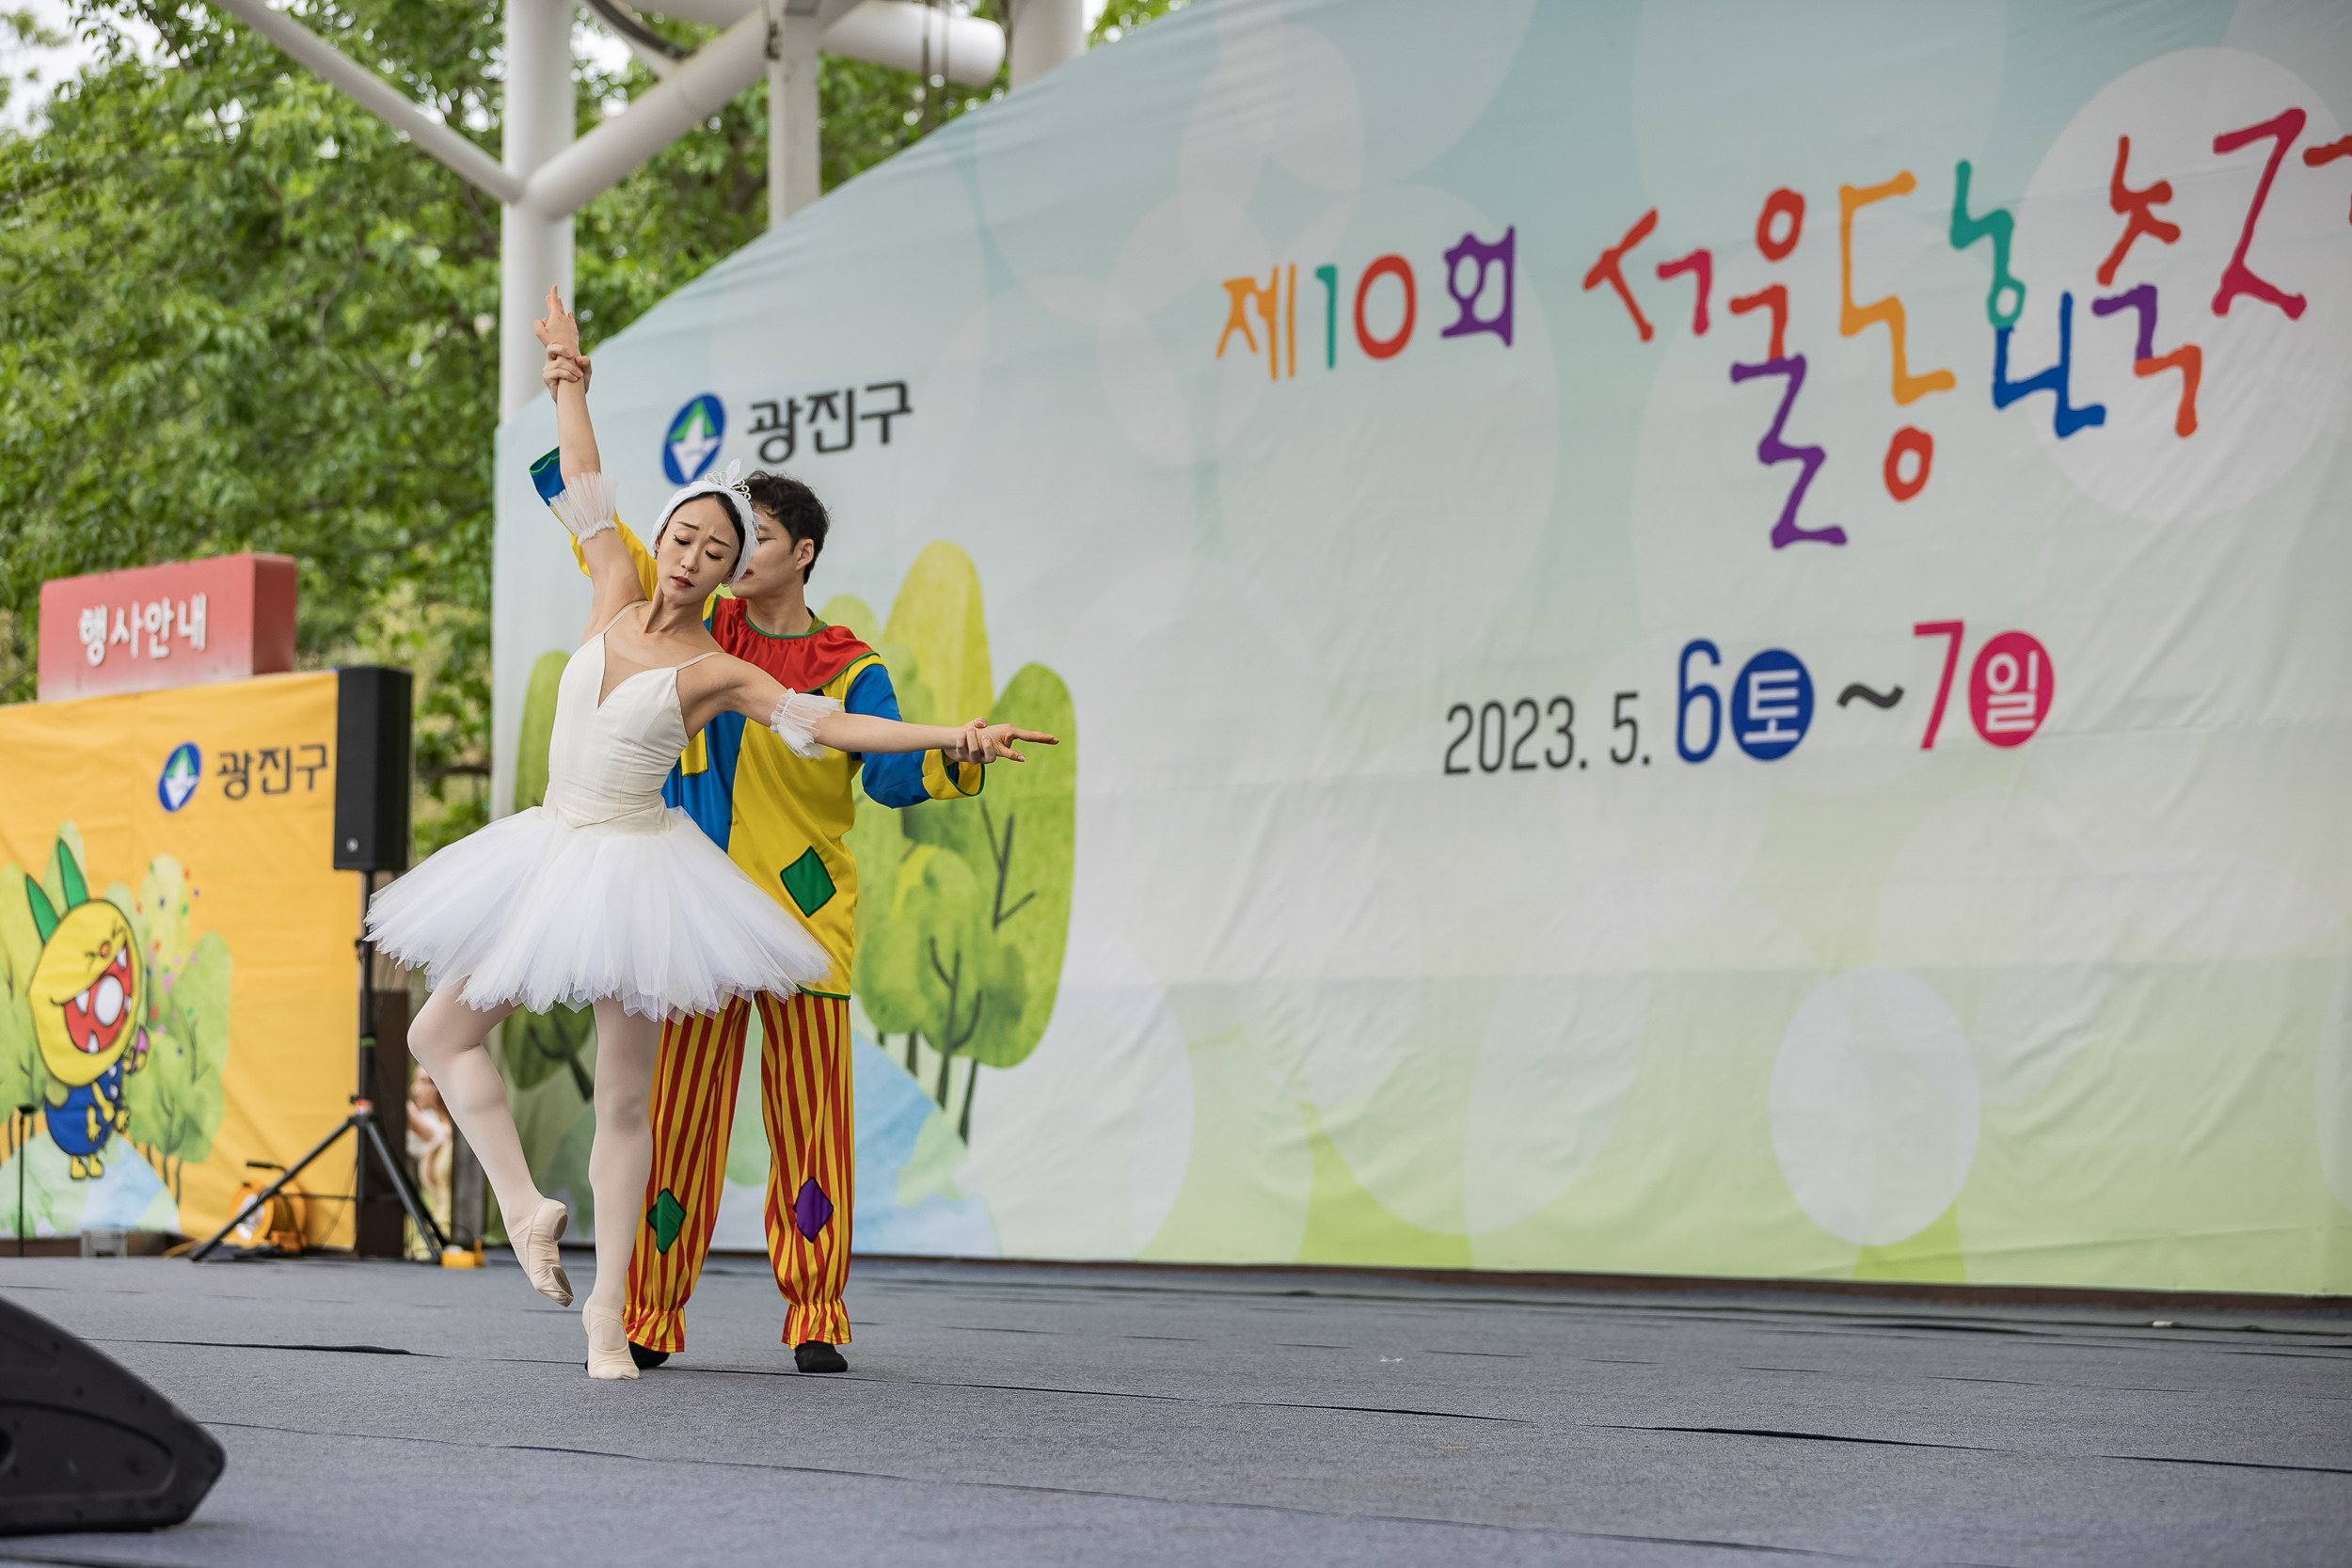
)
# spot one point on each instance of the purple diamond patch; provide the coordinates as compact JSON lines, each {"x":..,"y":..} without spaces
{"x":811,"y":1210}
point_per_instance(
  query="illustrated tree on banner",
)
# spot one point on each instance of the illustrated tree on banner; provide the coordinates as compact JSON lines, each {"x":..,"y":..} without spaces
{"x":176,"y":1101}
{"x":966,"y":910}
{"x":114,"y":1026}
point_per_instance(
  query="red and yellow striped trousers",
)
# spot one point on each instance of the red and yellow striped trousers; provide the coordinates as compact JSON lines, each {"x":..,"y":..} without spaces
{"x":804,"y":1094}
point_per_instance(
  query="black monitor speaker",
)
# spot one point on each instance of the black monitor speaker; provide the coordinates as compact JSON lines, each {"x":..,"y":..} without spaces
{"x":372,"y":705}
{"x":85,"y":1445}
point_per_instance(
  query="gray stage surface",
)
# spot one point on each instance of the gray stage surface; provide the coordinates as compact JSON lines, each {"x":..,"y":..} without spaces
{"x":376,"y":1413}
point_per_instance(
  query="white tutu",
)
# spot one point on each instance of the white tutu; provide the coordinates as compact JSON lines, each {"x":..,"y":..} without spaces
{"x":533,"y":912}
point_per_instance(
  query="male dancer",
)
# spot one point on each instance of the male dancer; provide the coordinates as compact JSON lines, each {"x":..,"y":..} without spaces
{"x":782,"y":819}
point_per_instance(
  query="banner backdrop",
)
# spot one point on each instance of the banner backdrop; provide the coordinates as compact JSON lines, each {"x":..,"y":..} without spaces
{"x":1701,"y":638}
{"x":178,"y":991}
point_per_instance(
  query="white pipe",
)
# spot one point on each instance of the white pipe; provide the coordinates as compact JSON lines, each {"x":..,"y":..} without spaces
{"x":793,"y":170}
{"x":700,"y":88}
{"x":883,"y":32}
{"x":1045,"y":33}
{"x":711,"y":13}
{"x":534,"y":248}
{"x":779,"y":116}
{"x":651,"y":58}
{"x":378,"y":96}
{"x":725,"y":13}
{"x":964,"y":49}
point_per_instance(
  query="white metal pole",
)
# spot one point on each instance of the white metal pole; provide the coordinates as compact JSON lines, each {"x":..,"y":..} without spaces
{"x":794,"y":173}
{"x":696,"y":90}
{"x":779,"y":130}
{"x":534,"y":250}
{"x":1045,"y":33}
{"x":376,"y":95}
{"x":908,"y":37}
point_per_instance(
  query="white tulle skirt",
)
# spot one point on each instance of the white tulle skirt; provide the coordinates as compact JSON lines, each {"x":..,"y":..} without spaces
{"x":534,"y":912}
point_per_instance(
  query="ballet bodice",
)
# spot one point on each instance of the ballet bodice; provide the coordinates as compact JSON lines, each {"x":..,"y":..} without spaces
{"x":606,"y":762}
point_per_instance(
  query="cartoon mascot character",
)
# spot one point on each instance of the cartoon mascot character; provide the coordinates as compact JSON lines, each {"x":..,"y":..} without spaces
{"x":89,"y":998}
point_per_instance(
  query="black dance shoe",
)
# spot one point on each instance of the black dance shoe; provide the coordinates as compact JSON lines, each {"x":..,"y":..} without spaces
{"x":818,"y":1356}
{"x":646,"y":1359}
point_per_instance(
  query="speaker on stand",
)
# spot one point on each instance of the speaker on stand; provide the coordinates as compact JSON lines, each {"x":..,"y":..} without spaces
{"x":372,"y":705}
{"x":84,"y":1444}
{"x":372,"y":766}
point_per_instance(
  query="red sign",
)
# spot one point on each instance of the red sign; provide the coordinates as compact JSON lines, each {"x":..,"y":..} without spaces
{"x":192,"y":622}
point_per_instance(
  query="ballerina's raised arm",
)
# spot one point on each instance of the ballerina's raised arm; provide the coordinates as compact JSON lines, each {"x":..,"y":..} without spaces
{"x":588,"y":504}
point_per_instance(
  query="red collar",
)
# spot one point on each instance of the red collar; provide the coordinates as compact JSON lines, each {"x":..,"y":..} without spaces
{"x":804,"y":663}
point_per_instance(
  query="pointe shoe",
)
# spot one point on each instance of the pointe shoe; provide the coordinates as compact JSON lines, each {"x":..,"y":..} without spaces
{"x":608,"y":1344}
{"x":533,"y":1242}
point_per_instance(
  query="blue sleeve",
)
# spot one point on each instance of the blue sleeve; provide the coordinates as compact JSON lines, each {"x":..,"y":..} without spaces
{"x":708,"y":796}
{"x":896,"y":779}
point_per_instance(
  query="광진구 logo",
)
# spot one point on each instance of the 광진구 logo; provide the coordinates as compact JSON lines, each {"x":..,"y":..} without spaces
{"x":692,"y":444}
{"x":175,"y":785}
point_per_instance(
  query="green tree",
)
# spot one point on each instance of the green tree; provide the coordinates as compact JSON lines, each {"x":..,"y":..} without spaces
{"x":1019,"y":840}
{"x":20,"y":1073}
{"x":20,"y":1051}
{"x":985,"y":885}
{"x":879,"y":974}
{"x":937,"y":965}
{"x":1122,"y":17}
{"x":23,"y":29}
{"x":1028,"y":829}
{"x":175,"y":1099}
{"x":237,"y":312}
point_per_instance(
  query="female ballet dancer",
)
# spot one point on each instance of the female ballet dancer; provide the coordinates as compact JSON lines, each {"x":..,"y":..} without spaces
{"x":603,"y":895}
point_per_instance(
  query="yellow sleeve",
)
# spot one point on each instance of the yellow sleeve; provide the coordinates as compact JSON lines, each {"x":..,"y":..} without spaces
{"x":637,"y":553}
{"x":943,"y":782}
{"x":645,"y":565}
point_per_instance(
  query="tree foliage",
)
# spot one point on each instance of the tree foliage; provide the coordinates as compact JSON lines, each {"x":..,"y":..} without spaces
{"x":1122,"y":17}
{"x":963,"y":910}
{"x":237,"y":312}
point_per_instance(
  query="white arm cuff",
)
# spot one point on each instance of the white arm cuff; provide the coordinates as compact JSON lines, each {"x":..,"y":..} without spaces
{"x":587,"y":505}
{"x":795,"y":721}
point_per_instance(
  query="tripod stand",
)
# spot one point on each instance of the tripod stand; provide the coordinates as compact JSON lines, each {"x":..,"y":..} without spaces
{"x":362,"y":1122}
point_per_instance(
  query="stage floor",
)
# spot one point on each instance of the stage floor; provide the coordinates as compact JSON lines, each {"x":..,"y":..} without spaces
{"x":382,"y":1413}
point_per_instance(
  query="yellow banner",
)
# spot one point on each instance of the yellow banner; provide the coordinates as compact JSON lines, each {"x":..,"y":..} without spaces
{"x":177,"y":986}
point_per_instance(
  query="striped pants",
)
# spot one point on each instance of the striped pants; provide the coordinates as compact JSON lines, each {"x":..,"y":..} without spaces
{"x":805,"y":1093}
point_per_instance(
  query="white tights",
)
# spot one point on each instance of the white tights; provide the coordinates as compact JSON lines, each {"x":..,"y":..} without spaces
{"x":446,"y":1037}
{"x":621,"y":1159}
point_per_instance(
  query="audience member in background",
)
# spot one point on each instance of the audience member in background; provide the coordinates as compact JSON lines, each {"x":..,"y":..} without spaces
{"x":429,"y":1145}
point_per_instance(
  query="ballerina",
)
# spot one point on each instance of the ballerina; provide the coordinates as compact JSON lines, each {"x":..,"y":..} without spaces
{"x":604,"y":895}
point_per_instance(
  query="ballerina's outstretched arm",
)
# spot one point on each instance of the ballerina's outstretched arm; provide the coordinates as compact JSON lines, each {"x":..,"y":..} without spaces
{"x":811,"y":725}
{"x":587,"y":504}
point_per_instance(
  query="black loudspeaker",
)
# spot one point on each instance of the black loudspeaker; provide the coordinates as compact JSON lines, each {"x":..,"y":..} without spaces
{"x":83,"y":1445}
{"x":372,"y":768}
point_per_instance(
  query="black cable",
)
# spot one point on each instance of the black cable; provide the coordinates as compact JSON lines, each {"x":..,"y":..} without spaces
{"x":632,"y":26}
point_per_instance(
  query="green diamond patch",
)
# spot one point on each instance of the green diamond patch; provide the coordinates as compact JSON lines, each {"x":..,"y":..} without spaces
{"x":668,"y":1217}
{"x":809,"y":883}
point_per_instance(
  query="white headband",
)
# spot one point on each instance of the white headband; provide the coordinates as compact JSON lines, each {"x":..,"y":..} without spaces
{"x":736,"y":498}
